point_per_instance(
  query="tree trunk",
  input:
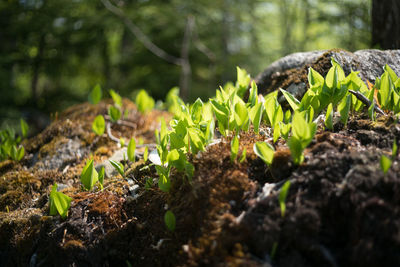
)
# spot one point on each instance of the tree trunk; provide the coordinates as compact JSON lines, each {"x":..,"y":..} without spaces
{"x":386,"y":24}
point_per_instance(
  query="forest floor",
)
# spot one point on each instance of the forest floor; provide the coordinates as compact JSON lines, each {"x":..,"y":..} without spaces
{"x":342,"y":210}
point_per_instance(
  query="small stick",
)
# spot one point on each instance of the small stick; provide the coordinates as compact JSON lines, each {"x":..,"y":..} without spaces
{"x":122,"y":122}
{"x":366,"y":101}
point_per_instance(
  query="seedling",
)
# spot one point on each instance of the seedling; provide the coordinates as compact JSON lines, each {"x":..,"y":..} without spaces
{"x":95,"y":95}
{"x":59,"y":202}
{"x":99,"y":125}
{"x":89,"y":175}
{"x":302,"y":134}
{"x":116,"y":97}
{"x":265,"y":151}
{"x":385,"y":163}
{"x":234,"y":148}
{"x":144,"y":102}
{"x":282,"y":197}
{"x":118,"y":166}
{"x":329,"y":117}
{"x":170,"y":221}
{"x":114,"y":113}
{"x":146,"y":153}
{"x":131,"y":150}
{"x":17,"y":153}
{"x":101,"y":177}
{"x":164,"y":182}
{"x":24,"y":128}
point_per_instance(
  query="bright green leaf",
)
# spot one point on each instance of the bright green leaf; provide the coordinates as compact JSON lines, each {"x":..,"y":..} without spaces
{"x":101,"y":177}
{"x":118,"y":166}
{"x":385,"y":163}
{"x":95,"y":95}
{"x":116,"y":97}
{"x":114,"y":113}
{"x":265,"y":151}
{"x":59,"y":202}
{"x":243,"y":156}
{"x":89,"y":175}
{"x":24,"y":128}
{"x":234,"y":148}
{"x":329,"y":117}
{"x":98,"y":125}
{"x":146,"y":153}
{"x":144,"y":102}
{"x":293,"y":102}
{"x":131,"y":150}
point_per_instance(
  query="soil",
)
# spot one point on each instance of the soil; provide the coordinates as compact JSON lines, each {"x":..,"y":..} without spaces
{"x":341,"y":209}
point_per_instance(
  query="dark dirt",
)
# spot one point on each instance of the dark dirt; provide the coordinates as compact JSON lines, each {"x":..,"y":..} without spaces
{"x":341,"y":209}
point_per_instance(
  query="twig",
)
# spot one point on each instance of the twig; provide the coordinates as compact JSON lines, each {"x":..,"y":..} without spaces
{"x":109,"y":133}
{"x":366,"y":101}
{"x":122,"y":122}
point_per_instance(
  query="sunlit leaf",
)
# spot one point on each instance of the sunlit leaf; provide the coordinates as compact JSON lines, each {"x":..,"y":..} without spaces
{"x":265,"y":151}
{"x":234,"y":148}
{"x":95,"y":95}
{"x":24,"y":128}
{"x":385,"y":163}
{"x":114,"y":113}
{"x":131,"y":150}
{"x":59,"y":202}
{"x":89,"y":175}
{"x":98,"y":125}
{"x":293,"y":102}
{"x":116,"y":97}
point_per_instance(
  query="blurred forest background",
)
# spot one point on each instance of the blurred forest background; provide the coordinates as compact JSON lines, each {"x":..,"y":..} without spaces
{"x":53,"y":52}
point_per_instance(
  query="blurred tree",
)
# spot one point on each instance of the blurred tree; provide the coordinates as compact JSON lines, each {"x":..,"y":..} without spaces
{"x":386,"y":24}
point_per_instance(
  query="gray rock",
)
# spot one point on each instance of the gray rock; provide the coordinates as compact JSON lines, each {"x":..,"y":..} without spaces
{"x":66,"y":153}
{"x":109,"y":170}
{"x":368,"y":62}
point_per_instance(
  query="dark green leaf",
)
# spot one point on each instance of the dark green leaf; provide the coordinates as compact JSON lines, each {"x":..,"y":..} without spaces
{"x":24,"y":128}
{"x":170,"y":221}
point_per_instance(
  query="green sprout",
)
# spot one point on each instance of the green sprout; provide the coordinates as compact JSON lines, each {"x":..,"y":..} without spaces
{"x":302,"y":134}
{"x":170,"y":221}
{"x":282,"y":197}
{"x":131,"y":150}
{"x":59,"y":202}
{"x":98,"y":125}
{"x":95,"y":95}
{"x":264,"y":151}
{"x":116,"y":98}
{"x":144,"y":102}
{"x":24,"y":128}
{"x":118,"y":166}
{"x":89,"y":175}
{"x":234,"y":148}
{"x":114,"y":113}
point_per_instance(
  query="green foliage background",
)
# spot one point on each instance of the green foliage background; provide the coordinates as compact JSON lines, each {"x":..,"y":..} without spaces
{"x":53,"y":52}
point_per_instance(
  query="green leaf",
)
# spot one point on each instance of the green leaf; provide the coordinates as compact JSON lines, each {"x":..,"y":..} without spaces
{"x":24,"y":128}
{"x":253,"y":97}
{"x":385,"y":163}
{"x":118,"y":166}
{"x":384,"y":90}
{"x":122,"y":141}
{"x":282,"y":197}
{"x":131,"y":150}
{"x":243,"y":156}
{"x":170,"y":221}
{"x":371,"y":111}
{"x":144,"y":102}
{"x":164,"y":182}
{"x":196,"y":111}
{"x":14,"y":152}
{"x":20,"y":153}
{"x":116,"y":97}
{"x":146,"y":153}
{"x":256,"y":114}
{"x":234,"y":148}
{"x":344,"y":109}
{"x":329,"y":117}
{"x":222,"y":114}
{"x":59,"y":202}
{"x":95,"y":95}
{"x":293,"y":102}
{"x":114,"y":113}
{"x":296,"y":150}
{"x":265,"y":151}
{"x":196,"y":140}
{"x":99,"y":125}
{"x":89,"y":175}
{"x":391,"y":73}
{"x":314,"y":78}
{"x":241,"y":115}
{"x":101,"y":177}
{"x":243,"y":81}
{"x":149,"y":183}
